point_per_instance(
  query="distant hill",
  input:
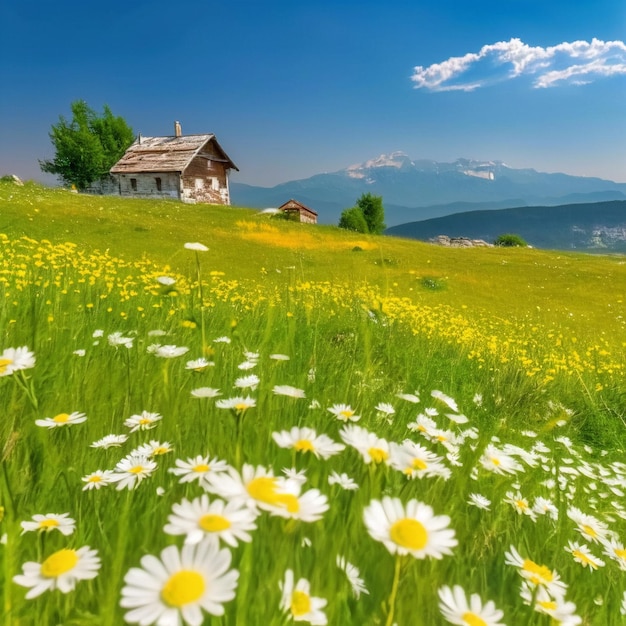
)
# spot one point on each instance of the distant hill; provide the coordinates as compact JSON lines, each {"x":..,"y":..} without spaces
{"x":599,"y":226}
{"x":422,"y":189}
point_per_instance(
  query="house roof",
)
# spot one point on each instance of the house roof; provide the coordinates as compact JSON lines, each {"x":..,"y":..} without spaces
{"x":168,"y":154}
{"x":295,"y":205}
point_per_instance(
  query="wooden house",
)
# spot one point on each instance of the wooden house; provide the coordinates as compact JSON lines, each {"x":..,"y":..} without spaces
{"x":299,"y":212}
{"x":190,"y":168}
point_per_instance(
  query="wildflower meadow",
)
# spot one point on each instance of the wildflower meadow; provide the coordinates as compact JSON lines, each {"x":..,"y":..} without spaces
{"x":183,"y":444}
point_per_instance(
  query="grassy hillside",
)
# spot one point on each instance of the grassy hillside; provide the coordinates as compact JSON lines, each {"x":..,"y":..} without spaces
{"x":301,"y":423}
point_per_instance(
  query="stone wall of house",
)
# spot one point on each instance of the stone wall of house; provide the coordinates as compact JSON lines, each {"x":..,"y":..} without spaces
{"x":148,"y":185}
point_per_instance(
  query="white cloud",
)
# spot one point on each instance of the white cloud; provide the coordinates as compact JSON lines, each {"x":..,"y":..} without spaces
{"x":576,"y":62}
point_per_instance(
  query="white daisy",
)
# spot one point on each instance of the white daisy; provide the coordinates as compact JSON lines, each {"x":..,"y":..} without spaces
{"x":288,"y":390}
{"x":197,"y":468}
{"x":97,"y":479}
{"x":179,"y":586}
{"x":561,"y":611}
{"x":110,"y":441}
{"x":144,"y":421}
{"x":153,"y":448}
{"x":537,"y":575}
{"x":415,"y":460}
{"x":62,"y":419}
{"x":456,"y":608}
{"x":344,"y":413}
{"x":298,"y":602}
{"x":202,"y":519}
{"x":342,"y":480}
{"x":198,"y":365}
{"x":409,"y":397}
{"x":248,"y":382}
{"x":307,"y":440}
{"x":495,"y":460}
{"x":588,"y":526}
{"x":222,"y":340}
{"x":519,"y":504}
{"x":79,"y":352}
{"x":247,"y":365}
{"x":131,"y":470}
{"x":447,"y":400}
{"x":15,"y":359}
{"x":353,"y":575}
{"x":50,"y":521}
{"x":279,"y":357}
{"x":170,"y":352}
{"x":309,"y":506}
{"x":205,"y":392}
{"x":97,"y":333}
{"x":196,"y":246}
{"x":166,"y":281}
{"x":385,"y":409}
{"x":117,"y":339}
{"x":543,"y":506}
{"x":582,"y":554}
{"x":372,"y":448}
{"x":61,"y":570}
{"x":238,"y":405}
{"x":479,"y":501}
{"x":409,"y":529}
{"x":615,"y":550}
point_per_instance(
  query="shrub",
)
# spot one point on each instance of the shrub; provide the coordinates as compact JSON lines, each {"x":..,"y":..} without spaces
{"x":510,"y":240}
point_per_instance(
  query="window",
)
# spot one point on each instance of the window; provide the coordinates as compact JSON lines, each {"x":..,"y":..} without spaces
{"x":133,"y":184}
{"x":199,"y":183}
{"x":209,"y":164}
{"x":215,"y":184}
{"x":157,"y":180}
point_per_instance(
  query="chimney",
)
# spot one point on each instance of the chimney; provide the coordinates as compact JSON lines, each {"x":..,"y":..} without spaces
{"x":178,"y":131}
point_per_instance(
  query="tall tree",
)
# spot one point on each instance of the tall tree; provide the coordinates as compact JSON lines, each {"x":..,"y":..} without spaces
{"x":368,"y":216}
{"x":87,"y":146}
{"x":373,"y":212}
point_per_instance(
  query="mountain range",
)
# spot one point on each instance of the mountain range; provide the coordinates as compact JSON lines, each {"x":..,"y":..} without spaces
{"x":415,"y":190}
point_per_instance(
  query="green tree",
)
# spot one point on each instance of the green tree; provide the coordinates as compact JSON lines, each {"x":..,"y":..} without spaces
{"x":353,"y":219}
{"x":87,"y":146}
{"x":373,"y":212}
{"x":510,"y":240}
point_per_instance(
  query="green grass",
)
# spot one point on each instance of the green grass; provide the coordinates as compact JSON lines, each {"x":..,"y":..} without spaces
{"x":359,"y":328}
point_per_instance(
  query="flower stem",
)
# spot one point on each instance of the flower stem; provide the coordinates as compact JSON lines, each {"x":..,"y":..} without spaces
{"x":394,"y":591}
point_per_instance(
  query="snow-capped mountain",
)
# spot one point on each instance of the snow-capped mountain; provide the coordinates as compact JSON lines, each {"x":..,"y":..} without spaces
{"x":421,"y":189}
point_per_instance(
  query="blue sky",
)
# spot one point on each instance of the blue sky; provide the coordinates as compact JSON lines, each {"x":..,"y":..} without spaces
{"x":292,"y":89}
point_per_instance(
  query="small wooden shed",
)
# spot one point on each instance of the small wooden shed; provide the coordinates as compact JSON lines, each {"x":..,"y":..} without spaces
{"x":191,"y":168}
{"x":304,"y":214}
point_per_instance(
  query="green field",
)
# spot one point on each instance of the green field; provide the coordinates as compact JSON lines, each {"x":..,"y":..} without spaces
{"x":451,"y":377}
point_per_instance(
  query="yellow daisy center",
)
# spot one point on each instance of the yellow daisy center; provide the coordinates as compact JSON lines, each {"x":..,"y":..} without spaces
{"x":61,"y":418}
{"x":94,"y":479}
{"x":520,"y":504}
{"x":418,"y":464}
{"x":182,"y":588}
{"x":378,"y":455}
{"x":584,"y":558}
{"x":136,"y":470}
{"x":346,"y":413}
{"x":240,"y":407}
{"x":4,"y":365}
{"x":620,"y":553}
{"x":471,"y":619}
{"x":548,"y":605}
{"x":409,"y":533}
{"x":59,"y":563}
{"x":589,"y":531}
{"x":496,"y":461}
{"x":201,"y":468}
{"x":144,"y":421}
{"x":160,"y":450}
{"x":214,"y":523}
{"x":289,"y":502}
{"x":47,"y":524}
{"x":304,"y":445}
{"x":300,"y":603}
{"x":263,"y":489}
{"x":539,"y":574}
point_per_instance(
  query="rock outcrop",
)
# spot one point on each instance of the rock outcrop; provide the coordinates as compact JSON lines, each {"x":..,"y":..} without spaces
{"x":460,"y":242}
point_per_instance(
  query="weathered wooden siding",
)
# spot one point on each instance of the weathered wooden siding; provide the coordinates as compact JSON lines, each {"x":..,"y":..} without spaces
{"x":205,"y":180}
